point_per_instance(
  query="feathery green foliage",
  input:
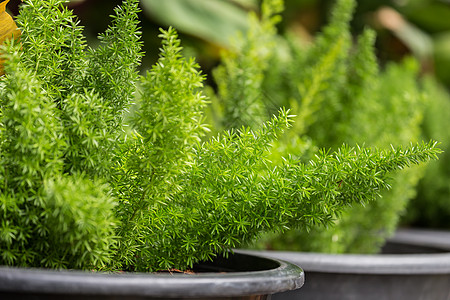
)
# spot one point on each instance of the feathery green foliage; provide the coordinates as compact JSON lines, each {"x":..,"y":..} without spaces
{"x":55,"y":127}
{"x":54,"y":44}
{"x":390,"y":99}
{"x":78,"y":190}
{"x":340,"y":96}
{"x":112,"y":70}
{"x":167,"y":124}
{"x":240,"y":76}
{"x":47,"y":219}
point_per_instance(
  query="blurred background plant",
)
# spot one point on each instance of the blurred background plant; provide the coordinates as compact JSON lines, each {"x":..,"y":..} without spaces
{"x":421,"y":27}
{"x":340,"y":95}
{"x":418,"y":28}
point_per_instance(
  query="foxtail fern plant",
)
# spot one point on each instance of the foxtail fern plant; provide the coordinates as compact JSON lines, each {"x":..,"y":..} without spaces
{"x":83,"y":186}
{"x":239,"y":101}
{"x":341,"y":96}
{"x":430,"y":206}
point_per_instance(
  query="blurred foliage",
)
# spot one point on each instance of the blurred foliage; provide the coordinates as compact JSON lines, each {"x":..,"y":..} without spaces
{"x":240,"y":77}
{"x":213,"y":20}
{"x":206,"y":26}
{"x":442,"y":56}
{"x":340,"y":95}
{"x":431,"y":206}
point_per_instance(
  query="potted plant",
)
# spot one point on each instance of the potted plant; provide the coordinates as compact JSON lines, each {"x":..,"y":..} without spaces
{"x":340,"y":95}
{"x":429,"y":208}
{"x":104,"y":169}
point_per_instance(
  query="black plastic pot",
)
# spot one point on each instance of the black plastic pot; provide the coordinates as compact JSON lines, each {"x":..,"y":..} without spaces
{"x":241,"y":276}
{"x":415,"y":265}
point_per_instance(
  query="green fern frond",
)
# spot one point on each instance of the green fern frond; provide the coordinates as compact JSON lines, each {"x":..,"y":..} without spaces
{"x":240,"y":76}
{"x":112,"y":67}
{"x":54,"y":45}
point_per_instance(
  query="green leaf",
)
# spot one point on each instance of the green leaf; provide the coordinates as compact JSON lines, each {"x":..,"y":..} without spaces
{"x":214,"y":20}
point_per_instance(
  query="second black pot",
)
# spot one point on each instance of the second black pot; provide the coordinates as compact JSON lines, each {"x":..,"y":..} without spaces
{"x":415,"y":265}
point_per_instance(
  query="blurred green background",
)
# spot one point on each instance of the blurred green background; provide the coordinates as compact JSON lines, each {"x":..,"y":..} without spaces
{"x":418,"y":27}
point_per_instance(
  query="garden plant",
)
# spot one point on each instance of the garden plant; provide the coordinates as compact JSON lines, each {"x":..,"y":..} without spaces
{"x":430,"y":206}
{"x":340,"y":94}
{"x":102,"y":168}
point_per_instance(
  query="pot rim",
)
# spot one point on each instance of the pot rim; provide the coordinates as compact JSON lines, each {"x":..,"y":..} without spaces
{"x":285,"y":277}
{"x":404,"y":264}
{"x":411,"y":264}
